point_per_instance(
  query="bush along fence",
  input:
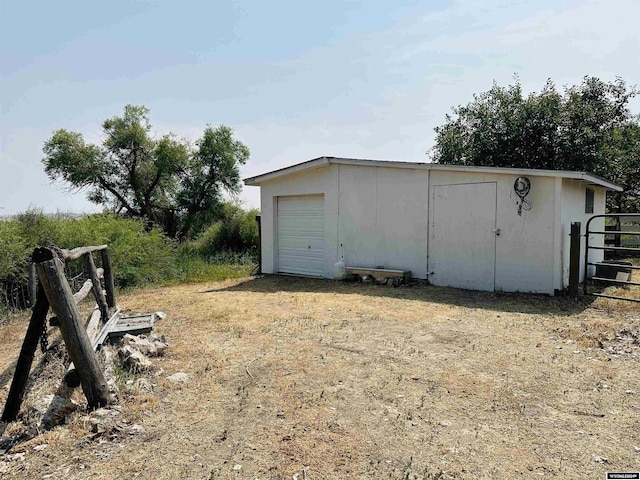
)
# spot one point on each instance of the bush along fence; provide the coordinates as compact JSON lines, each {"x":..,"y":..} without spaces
{"x":53,"y":291}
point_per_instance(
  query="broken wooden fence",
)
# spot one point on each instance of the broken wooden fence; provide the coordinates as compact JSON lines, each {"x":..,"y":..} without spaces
{"x":53,"y":291}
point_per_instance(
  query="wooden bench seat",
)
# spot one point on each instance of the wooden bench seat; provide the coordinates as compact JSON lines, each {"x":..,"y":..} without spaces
{"x":380,"y":274}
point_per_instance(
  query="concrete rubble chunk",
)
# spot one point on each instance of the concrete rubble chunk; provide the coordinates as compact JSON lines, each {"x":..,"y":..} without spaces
{"x":136,"y":429}
{"x":143,"y":385}
{"x":179,"y":377}
{"x":133,"y":359}
{"x":151,"y":345}
{"x":55,"y":410}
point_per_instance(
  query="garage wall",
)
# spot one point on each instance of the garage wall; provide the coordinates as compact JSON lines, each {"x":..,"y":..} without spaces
{"x":379,"y":216}
{"x":323,"y":180}
{"x":573,"y":205}
{"x":383,"y":217}
{"x":525,"y":246}
{"x":374,"y":216}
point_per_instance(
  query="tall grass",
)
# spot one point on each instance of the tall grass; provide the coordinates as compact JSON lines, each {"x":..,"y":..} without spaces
{"x":193,"y":268}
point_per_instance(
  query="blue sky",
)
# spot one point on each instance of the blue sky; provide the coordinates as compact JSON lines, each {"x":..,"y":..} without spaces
{"x":295,"y":80}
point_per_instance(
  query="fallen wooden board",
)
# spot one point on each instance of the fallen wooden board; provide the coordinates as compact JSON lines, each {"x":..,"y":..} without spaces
{"x":71,"y":377}
{"x":134,"y":325}
{"x":86,"y":288}
{"x":379,"y":274}
{"x":105,"y":330}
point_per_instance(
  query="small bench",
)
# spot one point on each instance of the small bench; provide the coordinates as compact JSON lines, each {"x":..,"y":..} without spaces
{"x":380,"y":274}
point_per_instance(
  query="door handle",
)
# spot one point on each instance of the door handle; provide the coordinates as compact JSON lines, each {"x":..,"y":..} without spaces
{"x":496,"y":231}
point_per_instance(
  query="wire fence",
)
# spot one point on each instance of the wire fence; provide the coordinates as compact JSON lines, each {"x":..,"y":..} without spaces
{"x":14,"y":294}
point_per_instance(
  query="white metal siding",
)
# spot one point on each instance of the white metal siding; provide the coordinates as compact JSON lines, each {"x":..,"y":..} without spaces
{"x":524,"y":259}
{"x":301,"y":235}
{"x":573,"y":203}
{"x":383,"y":218}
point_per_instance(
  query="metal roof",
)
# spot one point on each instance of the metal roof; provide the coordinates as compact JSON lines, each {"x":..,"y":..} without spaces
{"x":587,"y":177}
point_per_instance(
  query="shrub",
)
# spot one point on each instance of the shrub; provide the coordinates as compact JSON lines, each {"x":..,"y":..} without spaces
{"x":236,"y":232}
{"x":139,"y":257}
{"x":38,"y":229}
{"x":14,"y":251}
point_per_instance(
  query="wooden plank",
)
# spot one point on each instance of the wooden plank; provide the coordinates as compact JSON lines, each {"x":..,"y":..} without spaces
{"x":86,"y":288}
{"x":371,"y":271}
{"x":146,"y":317}
{"x":617,"y":249}
{"x":80,"y":251}
{"x":105,"y":330}
{"x":120,"y":330}
{"x":25,"y":359}
{"x":611,"y":280}
{"x":92,"y":272}
{"x":610,"y":264}
{"x":108,"y":277}
{"x":116,"y":334}
{"x":379,"y":273}
{"x":32,"y":284}
{"x":134,"y":325}
{"x":623,"y":276}
{"x":636,"y":300}
{"x":133,"y":322}
{"x":93,"y":324}
{"x":72,"y":378}
{"x":51,"y":275}
{"x":83,"y":292}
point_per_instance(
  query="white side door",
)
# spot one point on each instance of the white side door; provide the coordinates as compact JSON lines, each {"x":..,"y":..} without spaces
{"x":462,"y":246}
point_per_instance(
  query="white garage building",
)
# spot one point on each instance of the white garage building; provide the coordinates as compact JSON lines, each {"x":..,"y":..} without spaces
{"x":480,"y":228}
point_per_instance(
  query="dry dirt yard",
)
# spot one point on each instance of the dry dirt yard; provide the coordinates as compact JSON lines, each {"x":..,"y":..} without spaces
{"x":312,"y":379}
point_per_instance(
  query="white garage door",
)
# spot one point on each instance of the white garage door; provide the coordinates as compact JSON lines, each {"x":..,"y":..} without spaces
{"x":301,"y":235}
{"x":462,"y":249}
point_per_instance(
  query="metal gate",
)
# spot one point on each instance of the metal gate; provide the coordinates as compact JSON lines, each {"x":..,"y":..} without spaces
{"x":613,"y":272}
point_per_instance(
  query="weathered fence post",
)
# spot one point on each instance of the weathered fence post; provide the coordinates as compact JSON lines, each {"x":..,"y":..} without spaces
{"x":32,"y":284}
{"x":92,"y":271}
{"x":25,"y":360}
{"x":574,"y":259}
{"x":71,"y":378}
{"x":51,"y":275}
{"x":108,"y":277}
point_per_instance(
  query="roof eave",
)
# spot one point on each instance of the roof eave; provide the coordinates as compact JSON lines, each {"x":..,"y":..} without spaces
{"x":592,"y":179}
{"x":259,"y":179}
{"x":322,"y":161}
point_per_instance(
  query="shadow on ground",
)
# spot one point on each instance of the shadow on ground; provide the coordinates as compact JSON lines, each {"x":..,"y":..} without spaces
{"x":419,"y":291}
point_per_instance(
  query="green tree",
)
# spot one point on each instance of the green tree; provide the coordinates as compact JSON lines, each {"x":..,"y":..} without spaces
{"x":165,"y":181}
{"x":587,"y":127}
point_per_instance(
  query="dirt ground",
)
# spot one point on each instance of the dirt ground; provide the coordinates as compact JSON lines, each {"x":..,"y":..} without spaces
{"x":311,"y":379}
